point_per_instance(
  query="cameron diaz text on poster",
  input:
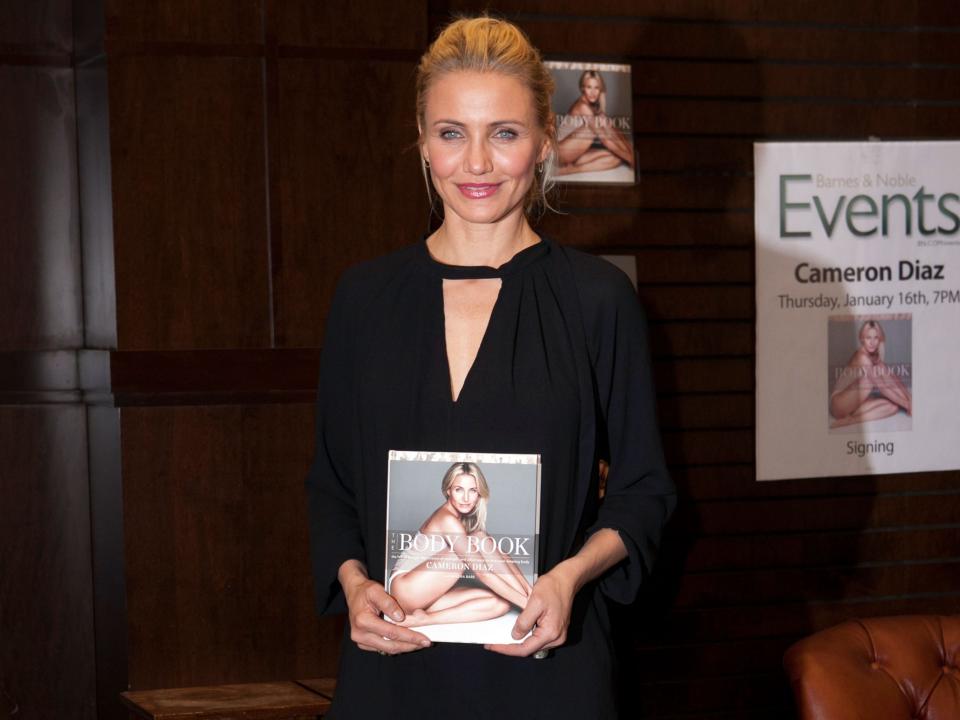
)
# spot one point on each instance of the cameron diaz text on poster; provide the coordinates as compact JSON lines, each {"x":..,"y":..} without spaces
{"x":858,"y":298}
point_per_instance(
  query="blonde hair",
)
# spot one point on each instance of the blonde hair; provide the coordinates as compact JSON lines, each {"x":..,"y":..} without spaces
{"x":486,"y":44}
{"x":477,"y":518}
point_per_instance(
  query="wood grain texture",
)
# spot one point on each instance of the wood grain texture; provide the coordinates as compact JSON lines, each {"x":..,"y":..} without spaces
{"x":366,"y":24}
{"x":186,"y":21}
{"x":253,"y":701}
{"x":218,"y":578}
{"x":189,"y":198}
{"x":40,"y":287}
{"x":46,"y":593}
{"x":350,"y":181}
{"x":856,"y":12}
{"x":40,"y":27}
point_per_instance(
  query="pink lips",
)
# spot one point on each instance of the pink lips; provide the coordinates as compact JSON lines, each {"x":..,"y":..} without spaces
{"x":478,"y":191}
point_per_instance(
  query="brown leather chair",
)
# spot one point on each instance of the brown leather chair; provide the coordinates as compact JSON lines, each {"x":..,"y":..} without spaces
{"x":883,"y":668}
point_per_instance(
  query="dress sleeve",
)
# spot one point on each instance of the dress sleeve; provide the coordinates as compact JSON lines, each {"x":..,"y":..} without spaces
{"x":334,"y":524}
{"x":640,"y":495}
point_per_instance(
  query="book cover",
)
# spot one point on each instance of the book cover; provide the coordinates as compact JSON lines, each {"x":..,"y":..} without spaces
{"x":461,"y":542}
{"x":870,"y":365}
{"x":593,"y":106}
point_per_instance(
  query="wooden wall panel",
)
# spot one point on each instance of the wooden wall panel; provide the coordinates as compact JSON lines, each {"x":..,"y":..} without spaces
{"x":185,"y":21}
{"x":366,"y":24}
{"x":38,"y":28}
{"x":218,"y":579}
{"x":46,"y":594}
{"x":40,"y":292}
{"x":189,"y":194}
{"x":349,"y":178}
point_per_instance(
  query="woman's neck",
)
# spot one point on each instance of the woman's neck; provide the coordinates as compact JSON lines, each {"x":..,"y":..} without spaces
{"x":461,"y":243}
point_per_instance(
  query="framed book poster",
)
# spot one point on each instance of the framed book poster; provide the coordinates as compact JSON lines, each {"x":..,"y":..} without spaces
{"x":593,"y":106}
{"x":461,"y":541}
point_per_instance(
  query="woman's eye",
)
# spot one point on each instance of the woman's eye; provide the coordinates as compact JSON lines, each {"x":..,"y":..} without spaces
{"x":505,"y":134}
{"x":449,"y":134}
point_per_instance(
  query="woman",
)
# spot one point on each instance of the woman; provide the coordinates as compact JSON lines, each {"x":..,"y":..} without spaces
{"x":594,"y":143}
{"x":867,"y":389}
{"x":486,"y":337}
{"x":428,"y":596}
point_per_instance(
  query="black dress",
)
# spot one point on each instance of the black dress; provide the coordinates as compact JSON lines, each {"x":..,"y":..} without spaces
{"x":563,"y":371}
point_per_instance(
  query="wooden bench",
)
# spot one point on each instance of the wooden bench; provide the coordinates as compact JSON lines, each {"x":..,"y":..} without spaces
{"x":301,"y":700}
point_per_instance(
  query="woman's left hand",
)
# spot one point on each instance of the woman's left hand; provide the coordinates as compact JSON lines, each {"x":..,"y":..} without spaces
{"x":547,"y":614}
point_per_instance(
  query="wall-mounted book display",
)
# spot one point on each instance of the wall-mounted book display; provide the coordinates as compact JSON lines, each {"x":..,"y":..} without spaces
{"x":593,"y":105}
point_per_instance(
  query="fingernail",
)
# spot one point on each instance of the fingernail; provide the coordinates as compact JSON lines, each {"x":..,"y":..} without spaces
{"x":398,"y":615}
{"x":424,"y":643}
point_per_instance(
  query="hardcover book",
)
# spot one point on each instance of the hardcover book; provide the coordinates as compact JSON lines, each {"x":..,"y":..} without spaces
{"x":593,"y":106}
{"x":461,"y":542}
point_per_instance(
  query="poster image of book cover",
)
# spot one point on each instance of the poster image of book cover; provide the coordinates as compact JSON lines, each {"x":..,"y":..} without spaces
{"x":593,"y":106}
{"x":870,"y":363}
{"x":462,"y":533}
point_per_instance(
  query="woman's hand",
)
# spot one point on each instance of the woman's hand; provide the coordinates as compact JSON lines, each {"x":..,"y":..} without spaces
{"x":547,"y":614}
{"x":366,"y":600}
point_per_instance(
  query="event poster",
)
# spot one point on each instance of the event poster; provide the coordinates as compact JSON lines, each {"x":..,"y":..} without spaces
{"x":858,"y":308}
{"x":593,"y":106}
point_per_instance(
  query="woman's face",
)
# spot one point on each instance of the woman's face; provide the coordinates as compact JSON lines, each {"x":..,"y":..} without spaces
{"x":482,"y":141}
{"x":870,"y":339}
{"x":463,"y":494}
{"x":591,"y":89}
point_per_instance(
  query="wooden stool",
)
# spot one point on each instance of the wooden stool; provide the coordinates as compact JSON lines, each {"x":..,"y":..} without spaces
{"x":249,"y":701}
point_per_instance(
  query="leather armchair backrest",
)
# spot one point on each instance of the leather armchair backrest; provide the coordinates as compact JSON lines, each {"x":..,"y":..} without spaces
{"x":887,"y":667}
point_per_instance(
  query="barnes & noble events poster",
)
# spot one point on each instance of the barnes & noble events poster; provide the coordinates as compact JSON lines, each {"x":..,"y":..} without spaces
{"x":858,"y":308}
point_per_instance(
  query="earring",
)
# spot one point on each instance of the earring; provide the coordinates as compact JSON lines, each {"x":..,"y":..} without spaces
{"x":539,"y":168}
{"x":426,"y":162}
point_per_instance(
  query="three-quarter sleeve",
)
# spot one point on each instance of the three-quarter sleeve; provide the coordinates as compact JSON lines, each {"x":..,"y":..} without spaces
{"x":334,"y":524}
{"x":640,"y":495}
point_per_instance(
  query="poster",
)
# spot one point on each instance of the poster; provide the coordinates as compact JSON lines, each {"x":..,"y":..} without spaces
{"x":593,"y":106}
{"x":858,"y":308}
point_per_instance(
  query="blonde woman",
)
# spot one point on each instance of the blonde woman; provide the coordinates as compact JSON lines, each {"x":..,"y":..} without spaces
{"x":427,"y":584}
{"x":486,"y":337}
{"x":594,"y":143}
{"x":867,"y":388}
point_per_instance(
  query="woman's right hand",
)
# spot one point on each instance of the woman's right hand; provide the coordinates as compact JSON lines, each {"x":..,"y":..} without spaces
{"x":366,"y":600}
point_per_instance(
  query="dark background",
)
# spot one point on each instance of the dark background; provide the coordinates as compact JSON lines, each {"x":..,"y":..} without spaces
{"x":181,"y":183}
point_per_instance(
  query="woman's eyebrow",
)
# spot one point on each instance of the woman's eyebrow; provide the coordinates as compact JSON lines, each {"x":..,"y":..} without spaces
{"x":458,"y":123}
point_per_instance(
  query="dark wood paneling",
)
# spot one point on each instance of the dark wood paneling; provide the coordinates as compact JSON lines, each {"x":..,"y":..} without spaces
{"x":189,"y":197}
{"x":210,"y":21}
{"x":46,"y":594}
{"x":350,"y":181}
{"x":40,"y":291}
{"x":729,"y":410}
{"x":855,"y":12}
{"x":39,"y":27}
{"x":869,"y":84}
{"x":367,"y":24}
{"x":618,"y":230}
{"x":214,"y":376}
{"x":839,"y":548}
{"x":698,"y":302}
{"x":701,"y":338}
{"x":218,"y":578}
{"x":629,"y":38}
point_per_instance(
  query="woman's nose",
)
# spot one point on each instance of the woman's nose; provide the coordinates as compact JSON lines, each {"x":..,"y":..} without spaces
{"x":477,"y":161}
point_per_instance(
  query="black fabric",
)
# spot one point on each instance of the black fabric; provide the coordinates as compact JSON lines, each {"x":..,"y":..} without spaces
{"x":563,"y":370}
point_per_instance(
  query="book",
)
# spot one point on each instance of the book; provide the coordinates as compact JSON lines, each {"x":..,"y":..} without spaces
{"x":593,"y":107}
{"x":870,"y":380}
{"x":462,"y":536}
